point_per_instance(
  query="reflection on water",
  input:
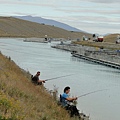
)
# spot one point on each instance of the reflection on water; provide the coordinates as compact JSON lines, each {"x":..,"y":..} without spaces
{"x":88,"y":76}
{"x":110,"y":71}
{"x":82,"y":60}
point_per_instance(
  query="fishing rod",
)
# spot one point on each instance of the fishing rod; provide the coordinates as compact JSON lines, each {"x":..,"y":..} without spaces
{"x":91,"y":93}
{"x":57,"y":77}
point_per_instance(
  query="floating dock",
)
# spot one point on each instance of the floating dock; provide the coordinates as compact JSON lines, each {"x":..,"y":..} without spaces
{"x":99,"y":61}
{"x":76,"y":53}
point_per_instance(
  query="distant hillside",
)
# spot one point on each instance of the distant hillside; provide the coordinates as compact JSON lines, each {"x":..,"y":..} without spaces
{"x":111,"y":38}
{"x":13,"y":27}
{"x":48,"y":22}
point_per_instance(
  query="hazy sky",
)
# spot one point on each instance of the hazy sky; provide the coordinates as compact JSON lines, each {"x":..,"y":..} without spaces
{"x":95,"y":16}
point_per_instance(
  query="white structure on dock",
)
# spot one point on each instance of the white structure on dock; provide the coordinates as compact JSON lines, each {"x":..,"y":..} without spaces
{"x":118,"y":39}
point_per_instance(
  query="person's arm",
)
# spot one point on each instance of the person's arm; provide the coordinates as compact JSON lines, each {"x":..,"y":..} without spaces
{"x":41,"y":81}
{"x":71,"y":99}
{"x":68,"y":98}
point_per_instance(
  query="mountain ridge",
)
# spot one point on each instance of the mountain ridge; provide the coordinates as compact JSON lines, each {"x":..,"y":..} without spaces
{"x":49,"y":22}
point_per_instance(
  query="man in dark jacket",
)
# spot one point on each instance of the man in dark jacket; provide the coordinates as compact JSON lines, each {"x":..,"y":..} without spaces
{"x":36,"y":80}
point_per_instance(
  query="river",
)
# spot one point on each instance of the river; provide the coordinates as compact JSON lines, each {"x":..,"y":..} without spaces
{"x":86,"y":76}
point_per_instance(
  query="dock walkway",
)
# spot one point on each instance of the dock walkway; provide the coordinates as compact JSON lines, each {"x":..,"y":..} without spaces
{"x":107,"y":58}
{"x":99,"y":61}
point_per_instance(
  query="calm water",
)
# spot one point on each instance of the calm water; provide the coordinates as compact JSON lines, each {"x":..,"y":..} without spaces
{"x":87,"y":76}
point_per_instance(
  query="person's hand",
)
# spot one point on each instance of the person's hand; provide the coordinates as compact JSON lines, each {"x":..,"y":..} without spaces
{"x":43,"y":81}
{"x":75,"y":98}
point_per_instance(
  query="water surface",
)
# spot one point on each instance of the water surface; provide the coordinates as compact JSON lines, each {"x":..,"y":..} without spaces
{"x":87,"y":76}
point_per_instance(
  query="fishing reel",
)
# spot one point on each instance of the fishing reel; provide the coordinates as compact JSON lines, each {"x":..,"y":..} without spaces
{"x":73,"y":102}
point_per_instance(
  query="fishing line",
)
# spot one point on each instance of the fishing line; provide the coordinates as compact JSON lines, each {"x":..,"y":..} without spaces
{"x":91,"y":93}
{"x":58,"y":77}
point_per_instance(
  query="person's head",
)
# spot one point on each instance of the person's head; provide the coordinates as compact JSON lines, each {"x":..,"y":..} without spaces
{"x":38,"y":73}
{"x":67,"y":89}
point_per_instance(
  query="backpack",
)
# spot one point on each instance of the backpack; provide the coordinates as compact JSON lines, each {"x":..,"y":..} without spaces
{"x":60,"y":98}
{"x":33,"y":79}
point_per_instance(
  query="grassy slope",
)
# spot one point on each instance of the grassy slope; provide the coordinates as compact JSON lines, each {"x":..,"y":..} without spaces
{"x":107,"y":45}
{"x":13,"y":27}
{"x":109,"y":42}
{"x":21,"y":100}
{"x":111,"y":38}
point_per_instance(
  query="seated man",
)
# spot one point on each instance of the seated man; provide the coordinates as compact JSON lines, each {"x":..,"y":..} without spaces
{"x":36,"y":80}
{"x":65,"y":101}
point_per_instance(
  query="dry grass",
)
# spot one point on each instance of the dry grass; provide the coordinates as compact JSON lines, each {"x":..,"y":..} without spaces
{"x":106,"y":45}
{"x":13,"y":27}
{"x":21,"y":100}
{"x":109,"y":42}
{"x":111,"y":38}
